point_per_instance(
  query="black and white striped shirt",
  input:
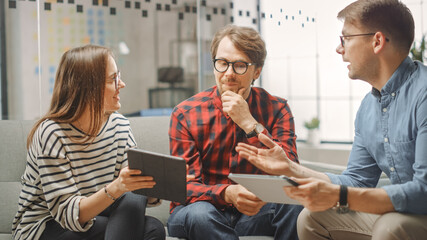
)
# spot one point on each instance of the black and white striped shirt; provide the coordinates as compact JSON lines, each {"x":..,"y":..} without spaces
{"x":60,"y":172}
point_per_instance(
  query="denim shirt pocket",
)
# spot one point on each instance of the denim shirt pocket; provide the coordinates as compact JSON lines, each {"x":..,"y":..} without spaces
{"x":403,"y":155}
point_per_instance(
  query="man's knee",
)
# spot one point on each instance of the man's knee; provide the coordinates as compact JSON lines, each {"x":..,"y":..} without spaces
{"x":304,"y":218}
{"x":394,"y":226}
{"x":310,"y":225}
{"x":291,"y":211}
{"x":194,"y":219}
{"x":201,"y":213}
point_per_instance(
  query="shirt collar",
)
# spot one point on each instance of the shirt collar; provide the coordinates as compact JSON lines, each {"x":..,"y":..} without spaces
{"x":399,"y":77}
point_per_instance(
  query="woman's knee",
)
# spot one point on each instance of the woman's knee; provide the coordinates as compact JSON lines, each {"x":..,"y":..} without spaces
{"x":132,"y":199}
{"x":154,"y":229}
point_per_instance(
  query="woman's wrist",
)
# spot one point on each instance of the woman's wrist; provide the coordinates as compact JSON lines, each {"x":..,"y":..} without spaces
{"x":113,"y":190}
{"x":108,"y":194}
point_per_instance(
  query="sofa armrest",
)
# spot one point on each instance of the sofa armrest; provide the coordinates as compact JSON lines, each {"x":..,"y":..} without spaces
{"x":8,"y":204}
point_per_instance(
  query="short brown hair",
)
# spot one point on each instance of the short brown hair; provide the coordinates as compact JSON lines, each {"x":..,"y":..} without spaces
{"x":79,"y":85}
{"x":390,"y":17}
{"x":246,"y":39}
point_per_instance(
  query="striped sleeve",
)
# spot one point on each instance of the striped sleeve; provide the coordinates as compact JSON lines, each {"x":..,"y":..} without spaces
{"x":58,"y":182}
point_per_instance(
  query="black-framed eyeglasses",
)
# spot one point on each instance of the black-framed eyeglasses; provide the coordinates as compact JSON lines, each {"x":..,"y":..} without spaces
{"x":239,"y":67}
{"x":356,"y":35}
{"x":116,"y":79}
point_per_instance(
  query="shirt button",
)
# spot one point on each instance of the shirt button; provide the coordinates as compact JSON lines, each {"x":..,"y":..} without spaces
{"x":384,"y":109}
{"x":393,"y":94}
{"x":385,"y":139}
{"x":392,"y":169}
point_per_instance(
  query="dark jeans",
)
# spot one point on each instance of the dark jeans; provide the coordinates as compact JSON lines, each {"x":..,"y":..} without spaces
{"x":124,"y":219}
{"x":201,"y":220}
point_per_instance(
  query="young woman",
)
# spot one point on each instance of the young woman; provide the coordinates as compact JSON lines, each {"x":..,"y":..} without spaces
{"x":76,"y":184}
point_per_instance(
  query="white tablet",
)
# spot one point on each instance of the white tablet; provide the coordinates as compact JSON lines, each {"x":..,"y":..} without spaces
{"x":267,"y":187}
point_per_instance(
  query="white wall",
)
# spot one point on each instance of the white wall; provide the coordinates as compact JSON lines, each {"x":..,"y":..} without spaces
{"x":294,"y":71}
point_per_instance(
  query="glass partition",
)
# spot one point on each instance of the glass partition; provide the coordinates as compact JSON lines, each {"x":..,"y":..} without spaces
{"x":20,"y":79}
{"x":162,"y":48}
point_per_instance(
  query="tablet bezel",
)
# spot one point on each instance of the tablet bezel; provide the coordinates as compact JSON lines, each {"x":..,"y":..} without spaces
{"x":169,"y":173}
{"x":268,"y":188}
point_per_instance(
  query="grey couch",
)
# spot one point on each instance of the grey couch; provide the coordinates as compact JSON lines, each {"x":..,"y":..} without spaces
{"x":151,"y":133}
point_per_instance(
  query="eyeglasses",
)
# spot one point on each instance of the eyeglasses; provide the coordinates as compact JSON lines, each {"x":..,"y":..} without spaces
{"x":356,"y":35}
{"x":116,"y":79}
{"x":239,"y":67}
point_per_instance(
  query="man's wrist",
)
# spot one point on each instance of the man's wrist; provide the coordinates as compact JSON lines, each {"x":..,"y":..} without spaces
{"x":224,"y":195}
{"x":249,"y":126}
{"x":294,"y":169}
{"x":257,"y":129}
{"x":342,"y":204}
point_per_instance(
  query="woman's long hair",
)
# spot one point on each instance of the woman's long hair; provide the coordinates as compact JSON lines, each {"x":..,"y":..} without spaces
{"x":79,"y":86}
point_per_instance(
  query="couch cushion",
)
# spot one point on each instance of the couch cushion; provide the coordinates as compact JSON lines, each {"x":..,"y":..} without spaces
{"x":5,"y":236}
{"x":13,"y":154}
{"x":152,"y":133}
{"x":160,"y":212}
{"x":8,"y":204}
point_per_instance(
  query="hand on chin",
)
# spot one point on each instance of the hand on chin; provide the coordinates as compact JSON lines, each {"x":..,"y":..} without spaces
{"x":233,"y":88}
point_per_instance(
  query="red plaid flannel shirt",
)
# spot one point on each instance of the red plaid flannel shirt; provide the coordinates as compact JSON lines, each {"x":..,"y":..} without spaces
{"x":206,"y":138}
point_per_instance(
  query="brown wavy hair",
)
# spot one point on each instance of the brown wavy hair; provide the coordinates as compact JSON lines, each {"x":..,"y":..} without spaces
{"x":79,"y":86}
{"x":245,"y":39}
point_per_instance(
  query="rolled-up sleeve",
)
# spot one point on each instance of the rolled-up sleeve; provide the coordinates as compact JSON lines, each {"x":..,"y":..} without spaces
{"x":362,"y":169}
{"x":404,"y":160}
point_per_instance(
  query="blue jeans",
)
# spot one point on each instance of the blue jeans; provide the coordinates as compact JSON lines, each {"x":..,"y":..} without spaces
{"x":124,"y":219}
{"x":201,"y":220}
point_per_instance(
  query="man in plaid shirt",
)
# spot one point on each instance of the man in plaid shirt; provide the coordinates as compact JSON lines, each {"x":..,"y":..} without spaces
{"x":205,"y":130}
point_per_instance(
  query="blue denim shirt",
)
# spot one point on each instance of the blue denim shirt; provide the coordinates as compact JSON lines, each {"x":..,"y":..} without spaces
{"x":391,"y":137}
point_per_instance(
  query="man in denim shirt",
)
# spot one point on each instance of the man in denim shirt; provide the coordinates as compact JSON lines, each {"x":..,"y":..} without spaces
{"x":390,"y":137}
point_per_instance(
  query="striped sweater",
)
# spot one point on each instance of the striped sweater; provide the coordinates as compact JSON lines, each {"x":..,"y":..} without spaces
{"x":60,"y":172}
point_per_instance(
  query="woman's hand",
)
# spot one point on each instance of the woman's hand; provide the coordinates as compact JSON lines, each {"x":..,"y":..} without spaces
{"x":129,"y":180}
